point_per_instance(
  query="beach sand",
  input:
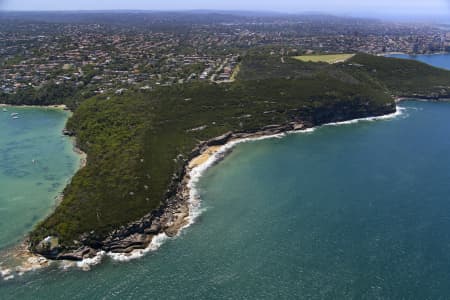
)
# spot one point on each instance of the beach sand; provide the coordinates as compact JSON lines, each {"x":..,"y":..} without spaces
{"x":202,"y":158}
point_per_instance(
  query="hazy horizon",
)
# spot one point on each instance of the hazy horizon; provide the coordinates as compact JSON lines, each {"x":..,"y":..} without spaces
{"x":378,"y":8}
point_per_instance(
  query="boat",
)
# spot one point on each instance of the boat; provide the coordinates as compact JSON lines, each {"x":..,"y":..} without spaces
{"x":15,"y":117}
{"x":5,"y":110}
{"x":14,"y":114}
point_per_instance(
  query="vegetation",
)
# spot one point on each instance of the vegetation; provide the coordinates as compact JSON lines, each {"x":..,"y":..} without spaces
{"x":404,"y":78}
{"x":139,"y":142}
{"x":46,"y":95}
{"x":52,"y":93}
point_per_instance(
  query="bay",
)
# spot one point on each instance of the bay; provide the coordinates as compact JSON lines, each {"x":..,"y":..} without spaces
{"x":36,"y":162}
{"x":436,"y":60}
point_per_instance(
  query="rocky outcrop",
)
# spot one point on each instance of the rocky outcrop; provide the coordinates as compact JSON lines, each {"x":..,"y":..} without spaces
{"x":129,"y":243}
{"x":49,"y":247}
{"x":68,"y":132}
{"x":220,"y":140}
{"x":77,"y":255}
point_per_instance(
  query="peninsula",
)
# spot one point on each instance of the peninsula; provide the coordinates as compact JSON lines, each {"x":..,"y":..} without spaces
{"x":141,"y":144}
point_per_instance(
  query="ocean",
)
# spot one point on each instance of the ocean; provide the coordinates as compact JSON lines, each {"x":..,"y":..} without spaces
{"x":355,"y":211}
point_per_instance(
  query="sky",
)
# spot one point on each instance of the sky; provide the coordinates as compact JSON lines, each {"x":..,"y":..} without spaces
{"x":355,"y":7}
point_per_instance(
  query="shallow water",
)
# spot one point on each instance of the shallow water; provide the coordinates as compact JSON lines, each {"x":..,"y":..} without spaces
{"x":352,"y":211}
{"x":357,"y":211}
{"x":35,"y":164}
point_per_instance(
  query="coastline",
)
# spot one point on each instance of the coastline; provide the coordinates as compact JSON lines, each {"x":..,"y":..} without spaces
{"x":180,"y":203}
{"x":412,"y":54}
{"x":58,"y":106}
{"x":177,"y":214}
{"x":21,"y":259}
{"x":183,"y":210}
{"x":83,"y":155}
{"x":19,"y":256}
{"x":208,"y":154}
{"x":79,"y":152}
{"x":436,"y":98}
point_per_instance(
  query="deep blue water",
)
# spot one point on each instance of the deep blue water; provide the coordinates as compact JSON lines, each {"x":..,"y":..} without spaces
{"x":437,"y":60}
{"x":355,"y":211}
{"x":359,"y":211}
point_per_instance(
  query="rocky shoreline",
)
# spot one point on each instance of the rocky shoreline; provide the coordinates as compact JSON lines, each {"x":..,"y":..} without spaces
{"x":169,"y":219}
{"x":174,"y":214}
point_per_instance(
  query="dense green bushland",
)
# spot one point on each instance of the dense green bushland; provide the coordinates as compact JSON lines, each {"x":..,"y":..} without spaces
{"x":404,"y":78}
{"x":138,"y":142}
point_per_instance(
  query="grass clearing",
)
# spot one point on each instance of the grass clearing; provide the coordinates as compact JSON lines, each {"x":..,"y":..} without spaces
{"x":326,"y":58}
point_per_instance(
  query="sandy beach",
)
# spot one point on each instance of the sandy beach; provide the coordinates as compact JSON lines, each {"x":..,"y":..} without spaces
{"x":202,"y":158}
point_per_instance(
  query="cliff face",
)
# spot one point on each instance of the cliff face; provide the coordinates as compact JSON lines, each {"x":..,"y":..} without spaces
{"x":139,"y":144}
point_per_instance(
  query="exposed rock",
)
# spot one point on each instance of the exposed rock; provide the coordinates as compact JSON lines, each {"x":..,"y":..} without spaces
{"x":220,"y":140}
{"x":154,"y":229}
{"x":68,"y":132}
{"x":77,"y":255}
{"x":130,"y":243}
{"x":298,"y":126}
{"x":49,"y":247}
{"x":268,"y":127}
{"x":171,"y":231}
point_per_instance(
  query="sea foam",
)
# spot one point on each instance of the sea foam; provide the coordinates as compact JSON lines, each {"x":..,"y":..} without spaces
{"x":194,"y":203}
{"x":157,"y":241}
{"x":6,"y":274}
{"x":195,"y":209}
{"x":398,"y":112}
{"x":86,"y":263}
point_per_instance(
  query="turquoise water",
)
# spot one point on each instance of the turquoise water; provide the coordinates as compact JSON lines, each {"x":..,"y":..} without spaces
{"x":356,"y":211}
{"x":35,"y":164}
{"x":437,"y":60}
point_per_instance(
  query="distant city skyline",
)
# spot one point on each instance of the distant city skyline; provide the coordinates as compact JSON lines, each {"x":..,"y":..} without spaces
{"x":350,"y":7}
